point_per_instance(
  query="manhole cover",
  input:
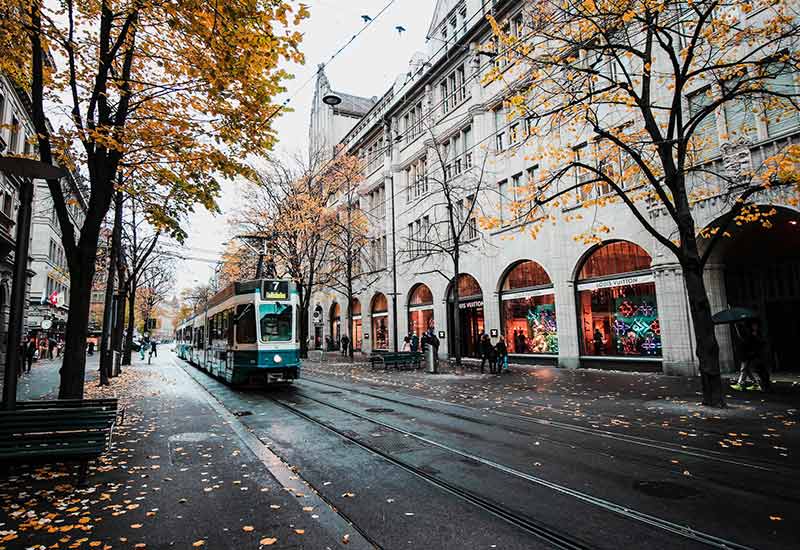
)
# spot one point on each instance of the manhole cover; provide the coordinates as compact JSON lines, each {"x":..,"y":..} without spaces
{"x":379,"y":410}
{"x":665,"y":489}
{"x":242,"y":413}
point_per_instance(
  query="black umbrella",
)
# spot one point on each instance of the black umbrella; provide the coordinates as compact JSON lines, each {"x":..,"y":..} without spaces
{"x":733,"y":315}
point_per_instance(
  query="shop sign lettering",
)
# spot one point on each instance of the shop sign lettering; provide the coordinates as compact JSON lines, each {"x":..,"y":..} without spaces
{"x":626,"y":281}
{"x":470,"y":305}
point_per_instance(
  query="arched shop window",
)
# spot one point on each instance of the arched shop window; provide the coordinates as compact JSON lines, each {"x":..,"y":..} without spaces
{"x":470,"y":318}
{"x":617,"y":303}
{"x":380,"y":322}
{"x":528,"y":310}
{"x":357,"y":330}
{"x":336,"y":327}
{"x":420,"y":310}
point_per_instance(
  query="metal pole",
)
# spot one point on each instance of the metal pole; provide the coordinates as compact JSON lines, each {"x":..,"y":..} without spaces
{"x":18,"y":292}
{"x":394,"y":271}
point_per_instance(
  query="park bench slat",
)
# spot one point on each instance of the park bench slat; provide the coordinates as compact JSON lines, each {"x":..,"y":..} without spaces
{"x":57,"y":430}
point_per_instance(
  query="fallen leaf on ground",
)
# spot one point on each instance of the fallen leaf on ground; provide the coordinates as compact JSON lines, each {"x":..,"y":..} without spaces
{"x":267,"y":542}
{"x":300,"y":531}
{"x":198,"y":543}
{"x":247,"y":528}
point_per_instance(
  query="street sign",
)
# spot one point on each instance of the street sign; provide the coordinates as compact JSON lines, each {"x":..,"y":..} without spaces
{"x":441,"y":335}
{"x":46,"y":324}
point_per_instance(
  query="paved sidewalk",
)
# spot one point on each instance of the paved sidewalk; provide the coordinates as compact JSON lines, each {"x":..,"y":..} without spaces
{"x":179,"y":475}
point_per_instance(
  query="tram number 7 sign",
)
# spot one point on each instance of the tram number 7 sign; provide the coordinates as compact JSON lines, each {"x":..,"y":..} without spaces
{"x":275,"y":290}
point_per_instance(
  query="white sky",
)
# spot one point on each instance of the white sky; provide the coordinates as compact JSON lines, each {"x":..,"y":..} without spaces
{"x":367,"y":67}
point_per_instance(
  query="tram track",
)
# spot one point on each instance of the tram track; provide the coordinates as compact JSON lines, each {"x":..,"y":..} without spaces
{"x":687,"y":450}
{"x":559,"y":540}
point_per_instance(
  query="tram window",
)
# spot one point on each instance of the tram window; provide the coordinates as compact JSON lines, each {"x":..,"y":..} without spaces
{"x":245,"y":324}
{"x":229,"y":325}
{"x":276,"y":322}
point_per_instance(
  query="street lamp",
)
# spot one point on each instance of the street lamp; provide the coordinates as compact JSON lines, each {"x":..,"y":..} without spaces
{"x":24,"y":171}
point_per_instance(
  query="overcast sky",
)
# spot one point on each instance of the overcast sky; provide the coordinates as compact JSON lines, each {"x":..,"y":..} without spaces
{"x":367,"y":67}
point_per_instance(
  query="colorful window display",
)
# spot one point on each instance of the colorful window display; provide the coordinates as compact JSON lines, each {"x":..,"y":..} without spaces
{"x":380,"y":322}
{"x":420,"y":310}
{"x":528,"y":310}
{"x":619,"y":315}
{"x":529,"y":324}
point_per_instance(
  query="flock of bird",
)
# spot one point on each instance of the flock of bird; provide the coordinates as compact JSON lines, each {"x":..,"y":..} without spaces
{"x":399,"y":28}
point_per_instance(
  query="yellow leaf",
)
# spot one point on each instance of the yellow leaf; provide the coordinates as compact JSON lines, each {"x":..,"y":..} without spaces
{"x":136,"y":526}
{"x":300,"y":531}
{"x":198,"y":543}
{"x":247,"y":528}
{"x":776,"y":518}
{"x":267,"y":541}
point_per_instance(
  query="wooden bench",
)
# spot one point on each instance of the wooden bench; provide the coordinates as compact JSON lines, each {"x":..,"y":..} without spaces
{"x":398,"y":360}
{"x":57,"y":431}
{"x":109,"y":403}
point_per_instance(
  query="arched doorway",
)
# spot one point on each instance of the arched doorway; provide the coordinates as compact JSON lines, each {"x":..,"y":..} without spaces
{"x":357,"y":330}
{"x":317,"y":318}
{"x":528,"y":310}
{"x":336,"y":327}
{"x":470,"y":309}
{"x":420,"y":309}
{"x":379,"y":311}
{"x":762,"y":273}
{"x":617,"y":308}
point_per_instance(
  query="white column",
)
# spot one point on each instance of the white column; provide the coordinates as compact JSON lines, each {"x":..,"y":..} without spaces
{"x":677,"y":337}
{"x":714,"y":278}
{"x":567,"y":321}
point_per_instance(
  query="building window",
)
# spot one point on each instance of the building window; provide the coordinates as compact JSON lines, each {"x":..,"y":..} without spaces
{"x":8,"y":204}
{"x":781,"y":115}
{"x":617,"y":303}
{"x":380,"y":324}
{"x":13,"y":142}
{"x":706,"y":136}
{"x":527,"y":310}
{"x":499,"y":128}
{"x":420,"y":310}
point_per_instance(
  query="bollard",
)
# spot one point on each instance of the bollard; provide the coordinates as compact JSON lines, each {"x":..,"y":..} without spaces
{"x":430,"y":359}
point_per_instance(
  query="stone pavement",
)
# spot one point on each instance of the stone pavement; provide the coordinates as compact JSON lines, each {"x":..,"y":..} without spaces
{"x":180,"y":474}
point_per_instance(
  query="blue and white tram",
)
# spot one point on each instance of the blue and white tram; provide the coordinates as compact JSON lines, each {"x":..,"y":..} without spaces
{"x":249,"y":333}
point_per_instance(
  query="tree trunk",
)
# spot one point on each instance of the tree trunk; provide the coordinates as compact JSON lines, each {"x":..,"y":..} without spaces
{"x":126,"y":355}
{"x":73,"y":367}
{"x":456,"y":336}
{"x":705,"y":338}
{"x":349,"y":317}
{"x":304,"y":304}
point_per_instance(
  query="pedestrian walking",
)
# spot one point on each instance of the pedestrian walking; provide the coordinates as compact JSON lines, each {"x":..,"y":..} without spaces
{"x":751,"y":349}
{"x":30,"y":353}
{"x":144,"y":345}
{"x":153,"y":351}
{"x":345,"y":344}
{"x":492,"y":358}
{"x":484,"y":346}
{"x":90,"y":347}
{"x":51,"y":349}
{"x":502,"y":355}
{"x":406,"y":344}
{"x":414,"y":341}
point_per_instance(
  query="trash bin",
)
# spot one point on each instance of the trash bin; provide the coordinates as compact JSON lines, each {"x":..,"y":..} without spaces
{"x":430,"y":359}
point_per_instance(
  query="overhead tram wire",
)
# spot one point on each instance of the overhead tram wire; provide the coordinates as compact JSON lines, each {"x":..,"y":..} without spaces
{"x":286,"y":101}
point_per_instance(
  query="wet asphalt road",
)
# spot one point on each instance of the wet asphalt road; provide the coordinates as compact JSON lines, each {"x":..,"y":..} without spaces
{"x":412,"y":472}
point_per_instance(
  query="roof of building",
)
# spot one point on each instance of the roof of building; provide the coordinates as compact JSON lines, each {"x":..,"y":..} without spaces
{"x":354,"y":105}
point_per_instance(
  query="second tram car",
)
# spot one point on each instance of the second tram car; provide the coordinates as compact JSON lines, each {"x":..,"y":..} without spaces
{"x":249,"y":333}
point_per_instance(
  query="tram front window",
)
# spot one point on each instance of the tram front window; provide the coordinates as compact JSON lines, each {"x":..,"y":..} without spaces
{"x":245,"y":324}
{"x":276,"y":322}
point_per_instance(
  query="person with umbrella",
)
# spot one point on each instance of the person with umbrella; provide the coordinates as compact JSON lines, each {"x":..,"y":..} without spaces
{"x":751,"y":347}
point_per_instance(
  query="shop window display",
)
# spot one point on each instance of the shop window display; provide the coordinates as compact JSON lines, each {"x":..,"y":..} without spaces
{"x":618,"y":310}
{"x":420,"y":310}
{"x":380,"y":317}
{"x":528,"y":310}
{"x":357,"y":332}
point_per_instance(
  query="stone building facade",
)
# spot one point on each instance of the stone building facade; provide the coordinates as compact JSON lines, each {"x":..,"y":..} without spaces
{"x":621,"y":304}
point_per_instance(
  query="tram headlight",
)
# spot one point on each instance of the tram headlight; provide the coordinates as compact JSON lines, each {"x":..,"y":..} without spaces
{"x":277,"y":358}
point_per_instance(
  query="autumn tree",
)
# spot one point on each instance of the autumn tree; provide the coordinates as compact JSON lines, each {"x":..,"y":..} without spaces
{"x":190,"y":83}
{"x":286,"y":206}
{"x":156,"y":284}
{"x":448,"y":222}
{"x":643,"y":83}
{"x":357,"y":253}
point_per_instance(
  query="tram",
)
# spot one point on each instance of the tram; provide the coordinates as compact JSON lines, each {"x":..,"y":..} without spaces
{"x":249,"y":333}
